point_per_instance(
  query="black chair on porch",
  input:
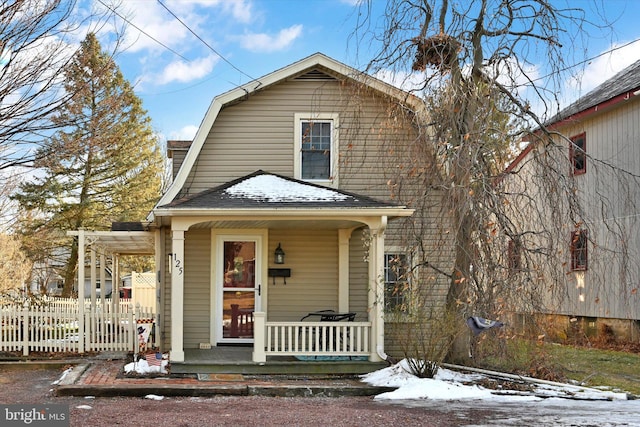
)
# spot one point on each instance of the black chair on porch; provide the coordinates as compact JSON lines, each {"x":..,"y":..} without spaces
{"x":331,"y":316}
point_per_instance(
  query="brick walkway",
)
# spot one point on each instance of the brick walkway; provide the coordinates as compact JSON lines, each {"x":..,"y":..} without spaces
{"x":106,"y":378}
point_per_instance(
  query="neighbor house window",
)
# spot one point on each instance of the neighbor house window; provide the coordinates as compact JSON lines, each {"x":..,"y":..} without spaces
{"x":514,"y":256}
{"x":316,"y":146}
{"x":578,"y":153}
{"x":396,"y":281}
{"x":578,"y":246}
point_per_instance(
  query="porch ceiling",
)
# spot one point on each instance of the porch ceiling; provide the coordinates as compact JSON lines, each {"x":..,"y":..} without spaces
{"x":281,"y":224}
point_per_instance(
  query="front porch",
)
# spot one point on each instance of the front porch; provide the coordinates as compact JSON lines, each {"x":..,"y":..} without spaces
{"x":291,"y":348}
{"x":238,"y":360}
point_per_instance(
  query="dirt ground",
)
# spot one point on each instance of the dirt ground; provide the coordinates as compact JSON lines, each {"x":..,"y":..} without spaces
{"x":36,"y":387}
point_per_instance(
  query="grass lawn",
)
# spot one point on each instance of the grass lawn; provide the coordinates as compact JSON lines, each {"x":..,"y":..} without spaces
{"x":595,"y":367}
{"x":588,"y":366}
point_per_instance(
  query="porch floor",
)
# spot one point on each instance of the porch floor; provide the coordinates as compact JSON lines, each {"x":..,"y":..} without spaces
{"x":238,"y":360}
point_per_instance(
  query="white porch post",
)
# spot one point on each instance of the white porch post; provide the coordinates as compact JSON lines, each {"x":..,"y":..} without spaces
{"x":103,"y":279}
{"x":115,"y":282}
{"x":80,"y":291}
{"x":259,"y":328}
{"x":177,"y":296}
{"x":343,"y":269}
{"x":376,"y":290}
{"x":93,"y":277}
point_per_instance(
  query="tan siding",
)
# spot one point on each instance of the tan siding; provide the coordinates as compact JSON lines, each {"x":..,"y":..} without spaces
{"x":197,"y":287}
{"x":259,"y":134}
{"x":313,"y":285}
{"x":358,"y":277}
{"x":177,"y":159}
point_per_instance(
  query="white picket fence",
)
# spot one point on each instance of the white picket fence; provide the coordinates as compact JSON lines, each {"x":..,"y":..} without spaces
{"x":59,"y":326}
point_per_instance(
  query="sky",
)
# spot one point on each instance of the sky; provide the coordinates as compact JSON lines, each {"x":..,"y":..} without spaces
{"x":181,"y":55}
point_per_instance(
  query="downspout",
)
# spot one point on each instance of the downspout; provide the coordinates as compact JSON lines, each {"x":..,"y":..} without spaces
{"x":379,"y":263}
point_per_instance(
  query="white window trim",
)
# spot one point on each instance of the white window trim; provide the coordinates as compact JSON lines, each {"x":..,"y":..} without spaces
{"x":297,"y":146}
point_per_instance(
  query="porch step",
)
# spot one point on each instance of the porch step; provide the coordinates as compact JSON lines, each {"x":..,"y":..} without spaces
{"x":237,"y":360}
{"x":289,"y":367}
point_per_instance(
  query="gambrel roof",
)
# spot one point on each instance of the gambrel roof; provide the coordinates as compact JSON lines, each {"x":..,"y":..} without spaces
{"x":316,"y":64}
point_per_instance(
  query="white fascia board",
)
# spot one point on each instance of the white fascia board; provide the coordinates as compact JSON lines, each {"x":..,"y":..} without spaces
{"x":279,"y":213}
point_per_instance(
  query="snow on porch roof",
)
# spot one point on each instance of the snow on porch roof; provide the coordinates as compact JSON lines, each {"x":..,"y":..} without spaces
{"x":266,"y":190}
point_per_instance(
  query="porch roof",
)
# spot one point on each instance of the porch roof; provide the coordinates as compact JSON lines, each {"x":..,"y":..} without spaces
{"x":271,"y":191}
{"x":119,"y":242}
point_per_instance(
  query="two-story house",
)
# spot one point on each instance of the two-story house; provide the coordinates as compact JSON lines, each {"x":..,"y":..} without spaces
{"x":285,"y":227}
{"x":279,"y":208}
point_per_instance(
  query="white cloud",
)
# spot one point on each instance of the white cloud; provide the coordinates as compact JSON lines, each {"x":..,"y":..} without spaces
{"x":261,"y":42}
{"x":604,"y":67}
{"x":180,"y":71}
{"x":242,"y":10}
{"x":160,"y":27}
{"x":187,"y":133}
{"x":410,"y":82}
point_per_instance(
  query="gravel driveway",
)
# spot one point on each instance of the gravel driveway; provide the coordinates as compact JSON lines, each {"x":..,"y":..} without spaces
{"x":36,"y":387}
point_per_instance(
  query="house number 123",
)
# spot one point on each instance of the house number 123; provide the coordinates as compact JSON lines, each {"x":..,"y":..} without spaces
{"x":177,"y":264}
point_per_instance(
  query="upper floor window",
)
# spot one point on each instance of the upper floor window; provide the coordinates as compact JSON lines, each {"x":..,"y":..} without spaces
{"x":316,"y":145}
{"x":578,"y":153}
{"x":578,"y":249}
{"x":396,"y":282}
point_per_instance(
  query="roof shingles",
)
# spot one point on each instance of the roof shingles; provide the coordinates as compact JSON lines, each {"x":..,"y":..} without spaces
{"x":261,"y":190}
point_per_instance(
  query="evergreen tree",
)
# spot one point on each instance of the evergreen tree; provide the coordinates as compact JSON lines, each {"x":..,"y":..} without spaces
{"x":104,"y":165}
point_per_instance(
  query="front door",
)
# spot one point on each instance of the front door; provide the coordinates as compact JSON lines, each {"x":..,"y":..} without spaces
{"x":238,"y":262}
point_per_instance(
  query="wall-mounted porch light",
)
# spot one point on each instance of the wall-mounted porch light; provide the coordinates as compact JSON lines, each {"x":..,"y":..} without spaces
{"x":279,"y":255}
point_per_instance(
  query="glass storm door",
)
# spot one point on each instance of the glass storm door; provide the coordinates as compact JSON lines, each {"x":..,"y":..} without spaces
{"x":237,"y":289}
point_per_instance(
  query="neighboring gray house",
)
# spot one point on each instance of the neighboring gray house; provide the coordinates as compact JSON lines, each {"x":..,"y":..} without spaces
{"x":599,"y":260}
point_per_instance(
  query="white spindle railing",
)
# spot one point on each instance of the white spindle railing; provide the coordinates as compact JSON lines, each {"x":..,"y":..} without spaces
{"x":317,"y":338}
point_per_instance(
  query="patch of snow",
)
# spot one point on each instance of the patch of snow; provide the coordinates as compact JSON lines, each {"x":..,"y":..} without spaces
{"x":142,"y":367}
{"x":64,"y":374}
{"x":153,"y":397}
{"x":451,"y":385}
{"x":275,"y":189}
{"x":84,"y":407}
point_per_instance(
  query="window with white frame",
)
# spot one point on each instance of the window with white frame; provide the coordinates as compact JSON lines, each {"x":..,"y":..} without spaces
{"x":316,"y":143}
{"x":396,"y":281}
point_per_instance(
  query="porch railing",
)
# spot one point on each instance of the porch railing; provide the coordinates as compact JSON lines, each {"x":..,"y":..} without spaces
{"x":311,"y":339}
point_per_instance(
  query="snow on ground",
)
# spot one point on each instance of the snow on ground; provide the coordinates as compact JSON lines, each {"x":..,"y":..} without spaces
{"x":142,"y":367}
{"x":452,"y":385}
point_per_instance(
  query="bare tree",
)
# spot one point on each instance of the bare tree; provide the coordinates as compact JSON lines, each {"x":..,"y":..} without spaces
{"x":475,"y":247}
{"x":37,"y":40}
